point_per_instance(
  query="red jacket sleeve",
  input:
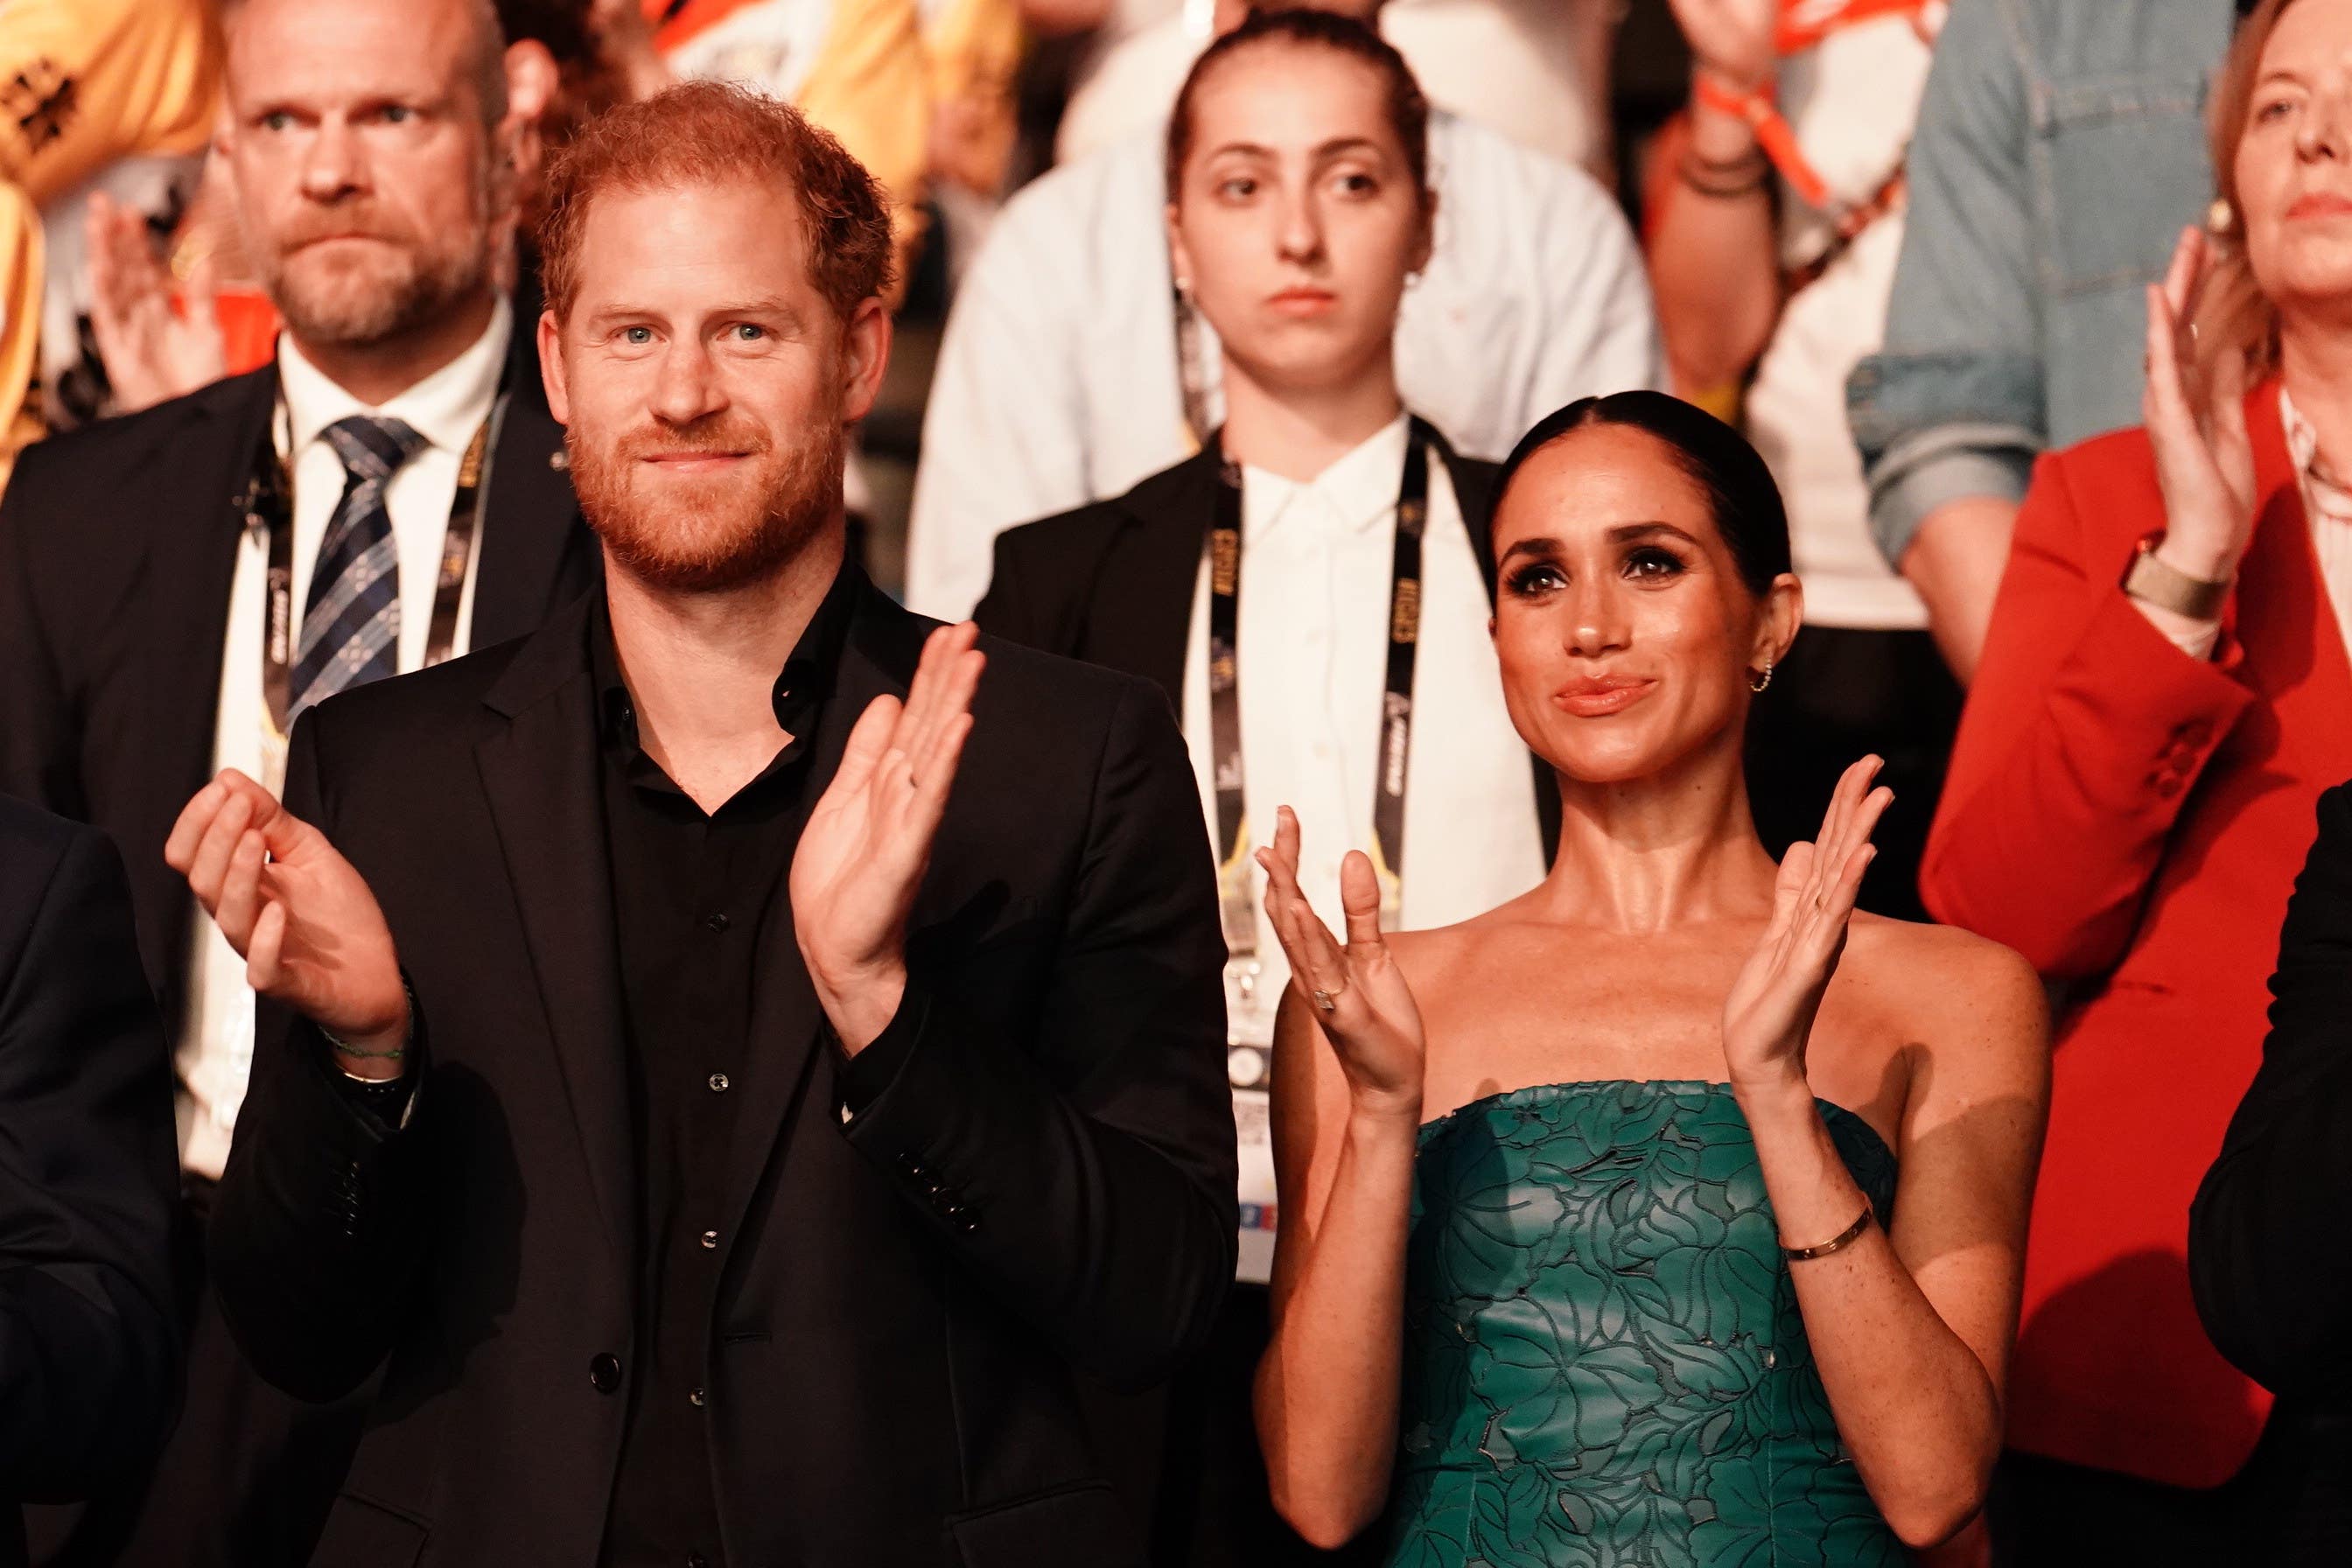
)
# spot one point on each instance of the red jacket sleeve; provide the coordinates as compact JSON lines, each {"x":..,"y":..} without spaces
{"x":2084,"y":732}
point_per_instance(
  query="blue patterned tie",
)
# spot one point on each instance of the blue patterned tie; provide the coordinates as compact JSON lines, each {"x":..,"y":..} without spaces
{"x":351,"y":621}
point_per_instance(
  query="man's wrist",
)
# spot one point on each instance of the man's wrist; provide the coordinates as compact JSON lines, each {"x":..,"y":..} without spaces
{"x":374,"y":1055}
{"x":860,"y":1003}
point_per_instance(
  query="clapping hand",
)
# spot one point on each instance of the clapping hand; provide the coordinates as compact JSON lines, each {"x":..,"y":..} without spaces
{"x":300,"y":915}
{"x":1732,"y":39}
{"x":863,"y":855}
{"x":1769,"y":1013}
{"x":2197,"y":423}
{"x":151,"y":352}
{"x":1357,"y":993}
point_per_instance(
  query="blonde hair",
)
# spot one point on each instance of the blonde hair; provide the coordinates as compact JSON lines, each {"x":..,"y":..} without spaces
{"x":2233,"y":314}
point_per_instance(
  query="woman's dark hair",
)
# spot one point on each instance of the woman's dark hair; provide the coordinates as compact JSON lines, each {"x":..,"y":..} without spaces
{"x":1740,"y":493}
{"x":1408,"y":110}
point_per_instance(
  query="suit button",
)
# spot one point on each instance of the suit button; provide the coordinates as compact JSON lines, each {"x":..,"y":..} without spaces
{"x":697,"y":1560}
{"x":2196,"y":732}
{"x":604,"y":1372}
{"x":719,"y":1083}
{"x":2167,"y":784}
{"x":718,"y":922}
{"x":909,"y":1166}
{"x":966,"y":1220}
{"x":693,"y":1397}
{"x":709,"y":1241}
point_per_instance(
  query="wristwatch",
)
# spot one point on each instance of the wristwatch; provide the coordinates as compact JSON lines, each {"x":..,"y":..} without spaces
{"x":2151,"y":582}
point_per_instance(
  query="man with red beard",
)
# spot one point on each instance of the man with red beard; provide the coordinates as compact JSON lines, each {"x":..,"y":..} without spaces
{"x":735,"y":1058}
{"x":176,"y":586}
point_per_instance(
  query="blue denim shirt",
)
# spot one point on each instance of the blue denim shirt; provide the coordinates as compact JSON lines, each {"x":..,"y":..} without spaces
{"x":2061,"y":147}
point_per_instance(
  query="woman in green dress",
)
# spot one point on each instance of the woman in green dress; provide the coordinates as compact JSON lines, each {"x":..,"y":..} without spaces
{"x":1671,"y":1214}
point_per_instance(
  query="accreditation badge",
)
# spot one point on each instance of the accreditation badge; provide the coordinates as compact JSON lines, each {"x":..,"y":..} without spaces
{"x":1248,"y":1063}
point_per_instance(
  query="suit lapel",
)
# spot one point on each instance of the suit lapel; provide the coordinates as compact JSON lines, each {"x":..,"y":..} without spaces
{"x":536,"y":552}
{"x":1139,"y":613}
{"x":2293,"y":648}
{"x":194,"y":567}
{"x":879,"y":657}
{"x":538,"y":772}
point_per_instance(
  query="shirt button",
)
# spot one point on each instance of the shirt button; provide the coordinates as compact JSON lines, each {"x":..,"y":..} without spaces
{"x":718,"y":922}
{"x":719,"y":1083}
{"x":709,"y":1241}
{"x":604,"y":1372}
{"x":693,"y":1397}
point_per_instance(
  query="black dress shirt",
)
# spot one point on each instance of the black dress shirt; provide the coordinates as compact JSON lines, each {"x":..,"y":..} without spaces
{"x":691,"y":894}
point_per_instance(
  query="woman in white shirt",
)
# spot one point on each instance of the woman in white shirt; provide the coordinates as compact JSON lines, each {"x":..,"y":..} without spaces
{"x":1305,"y":588}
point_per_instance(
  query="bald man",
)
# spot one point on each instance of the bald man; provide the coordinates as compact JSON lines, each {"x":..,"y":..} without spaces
{"x":177,"y":585}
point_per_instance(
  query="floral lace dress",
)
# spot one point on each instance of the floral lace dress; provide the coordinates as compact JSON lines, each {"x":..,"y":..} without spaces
{"x":1604,"y":1362}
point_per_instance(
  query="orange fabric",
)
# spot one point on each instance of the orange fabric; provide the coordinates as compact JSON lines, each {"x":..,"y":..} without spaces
{"x":692,"y":18}
{"x":2132,"y":819}
{"x":1804,"y":22}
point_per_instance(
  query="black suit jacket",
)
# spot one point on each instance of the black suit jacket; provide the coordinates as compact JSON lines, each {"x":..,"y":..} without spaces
{"x":887,"y":1385}
{"x":2270,"y":1256}
{"x":89,"y":1349}
{"x":118,"y":545}
{"x":1111,"y":583}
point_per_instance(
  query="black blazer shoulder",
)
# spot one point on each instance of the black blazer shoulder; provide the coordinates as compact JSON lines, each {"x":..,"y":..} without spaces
{"x":1111,"y":582}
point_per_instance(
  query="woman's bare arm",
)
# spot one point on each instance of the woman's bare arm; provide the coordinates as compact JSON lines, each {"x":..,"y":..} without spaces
{"x":1911,"y":1327}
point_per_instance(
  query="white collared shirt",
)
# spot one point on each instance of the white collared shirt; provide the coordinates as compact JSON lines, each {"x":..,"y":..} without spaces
{"x":1057,"y":384}
{"x":1317,"y":562}
{"x":215,"y":1050}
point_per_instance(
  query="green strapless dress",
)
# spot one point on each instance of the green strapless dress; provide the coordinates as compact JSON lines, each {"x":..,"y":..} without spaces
{"x":1604,"y":1362}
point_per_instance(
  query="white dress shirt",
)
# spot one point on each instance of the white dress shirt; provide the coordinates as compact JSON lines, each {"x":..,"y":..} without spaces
{"x":214,"y":1051}
{"x":1318,"y":562}
{"x":1057,"y":384}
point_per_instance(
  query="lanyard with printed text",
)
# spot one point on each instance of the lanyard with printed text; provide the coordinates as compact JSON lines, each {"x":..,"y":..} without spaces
{"x":1237,"y":907}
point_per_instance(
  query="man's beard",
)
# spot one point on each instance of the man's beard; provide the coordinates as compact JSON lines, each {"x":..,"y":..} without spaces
{"x":714,"y":532}
{"x":387,"y":291}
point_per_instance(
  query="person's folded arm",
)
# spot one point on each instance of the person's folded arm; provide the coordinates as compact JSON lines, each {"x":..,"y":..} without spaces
{"x":1600,"y":322}
{"x":1003,"y":426}
{"x":2269,"y":1256}
{"x":2084,"y":733}
{"x":318,"y":1228}
{"x":1950,"y":413}
{"x":1085,"y":1174}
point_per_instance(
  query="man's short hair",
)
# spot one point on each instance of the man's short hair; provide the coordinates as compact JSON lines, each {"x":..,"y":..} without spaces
{"x":712,"y":133}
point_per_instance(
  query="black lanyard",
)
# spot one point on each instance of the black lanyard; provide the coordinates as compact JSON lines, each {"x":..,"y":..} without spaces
{"x":269,"y":504}
{"x":1236,"y":904}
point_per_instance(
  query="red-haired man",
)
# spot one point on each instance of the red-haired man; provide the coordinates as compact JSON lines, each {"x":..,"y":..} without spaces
{"x":737,"y":1057}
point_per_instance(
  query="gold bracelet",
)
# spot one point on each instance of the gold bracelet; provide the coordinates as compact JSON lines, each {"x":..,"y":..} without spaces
{"x":1841,"y":1240}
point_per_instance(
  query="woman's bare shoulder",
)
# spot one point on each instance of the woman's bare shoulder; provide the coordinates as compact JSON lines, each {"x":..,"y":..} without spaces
{"x":1938,"y":977}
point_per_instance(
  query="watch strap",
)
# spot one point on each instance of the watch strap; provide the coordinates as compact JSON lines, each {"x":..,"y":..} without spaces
{"x":2151,"y":581}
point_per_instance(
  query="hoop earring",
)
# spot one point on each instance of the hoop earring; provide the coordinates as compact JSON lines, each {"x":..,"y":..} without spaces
{"x":1757,"y":681}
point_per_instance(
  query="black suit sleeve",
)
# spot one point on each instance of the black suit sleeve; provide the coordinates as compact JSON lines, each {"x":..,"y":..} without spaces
{"x":2270,"y":1254}
{"x":89,"y":1350}
{"x":1088,"y":1175}
{"x":36,"y":723}
{"x":318,"y":1239}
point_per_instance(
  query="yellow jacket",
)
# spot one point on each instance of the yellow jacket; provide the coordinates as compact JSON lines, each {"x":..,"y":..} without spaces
{"x":83,"y":82}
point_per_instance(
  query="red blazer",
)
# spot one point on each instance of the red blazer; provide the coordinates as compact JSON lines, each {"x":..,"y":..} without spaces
{"x":2131,"y":820}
